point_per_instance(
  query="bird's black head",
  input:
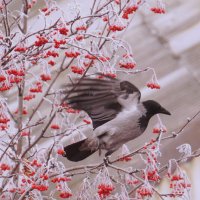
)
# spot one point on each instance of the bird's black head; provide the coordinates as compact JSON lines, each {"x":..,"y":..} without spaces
{"x":153,"y":108}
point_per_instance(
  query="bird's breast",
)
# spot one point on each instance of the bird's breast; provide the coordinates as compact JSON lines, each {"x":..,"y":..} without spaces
{"x":123,"y":128}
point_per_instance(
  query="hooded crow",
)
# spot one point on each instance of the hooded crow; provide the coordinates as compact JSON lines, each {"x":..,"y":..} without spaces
{"x":117,"y":114}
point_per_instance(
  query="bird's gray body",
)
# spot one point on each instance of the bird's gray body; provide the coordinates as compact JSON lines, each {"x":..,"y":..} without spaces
{"x":113,"y":134}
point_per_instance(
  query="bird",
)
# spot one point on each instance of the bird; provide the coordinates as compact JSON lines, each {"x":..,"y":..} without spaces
{"x":118,"y":116}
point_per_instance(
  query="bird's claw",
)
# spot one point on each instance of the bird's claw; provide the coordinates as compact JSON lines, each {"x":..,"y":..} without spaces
{"x":106,"y":161}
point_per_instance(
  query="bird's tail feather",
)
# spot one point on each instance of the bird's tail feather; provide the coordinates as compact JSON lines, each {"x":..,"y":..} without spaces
{"x":75,"y":153}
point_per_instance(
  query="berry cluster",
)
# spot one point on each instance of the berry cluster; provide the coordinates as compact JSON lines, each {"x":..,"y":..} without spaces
{"x":29,"y":97}
{"x":25,"y":133}
{"x":153,"y":158}
{"x":30,"y":5}
{"x":132,"y":182}
{"x":105,"y":18}
{"x":127,"y":65}
{"x":17,"y":190}
{"x":129,"y":10}
{"x":3,"y":122}
{"x":81,"y":28}
{"x":39,"y":187}
{"x":79,"y":37}
{"x":57,"y":43}
{"x":26,"y":181}
{"x":105,"y":190}
{"x":71,"y":54}
{"x":55,"y":126}
{"x":126,"y":158}
{"x":4,"y":167}
{"x":91,"y":57}
{"x":111,"y":75}
{"x":24,"y":111}
{"x":60,"y":152}
{"x":63,"y":31}
{"x":153,"y":175}
{"x":115,"y":28}
{"x":45,"y":77}
{"x":144,"y":191}
{"x":178,"y":184}
{"x":60,"y":179}
{"x":87,"y":64}
{"x":5,"y":87}
{"x":176,"y":178}
{"x":71,"y":110}
{"x":36,"y":163}
{"x":44,"y":177}
{"x":15,"y":79}
{"x":153,"y":85}
{"x":51,"y":53}
{"x":65,"y":195}
{"x":2,"y":78}
{"x":16,"y":72}
{"x":51,"y":62}
{"x":20,"y":49}
{"x":159,"y":130}
{"x":3,"y":127}
{"x":68,"y":109}
{"x":77,"y":70}
{"x":158,"y":10}
{"x":4,"y":119}
{"x":47,"y":11}
{"x":28,"y":172}
{"x":40,"y":41}
{"x":87,"y":121}
{"x":104,"y":59}
{"x":37,"y":88}
{"x":44,"y":9}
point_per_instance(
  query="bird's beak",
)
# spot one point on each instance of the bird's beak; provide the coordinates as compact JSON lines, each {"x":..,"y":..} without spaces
{"x":164,"y":111}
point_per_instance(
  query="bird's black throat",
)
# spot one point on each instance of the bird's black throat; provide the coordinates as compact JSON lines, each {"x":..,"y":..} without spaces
{"x":144,"y":120}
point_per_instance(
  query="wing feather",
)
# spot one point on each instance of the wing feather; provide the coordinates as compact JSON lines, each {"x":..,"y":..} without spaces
{"x":99,"y":97}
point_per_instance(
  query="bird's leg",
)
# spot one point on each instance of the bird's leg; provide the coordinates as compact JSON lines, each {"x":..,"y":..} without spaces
{"x":106,"y":161}
{"x":106,"y":158}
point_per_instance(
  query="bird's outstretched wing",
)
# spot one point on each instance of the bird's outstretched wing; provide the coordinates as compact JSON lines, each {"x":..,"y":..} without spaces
{"x":99,"y":97}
